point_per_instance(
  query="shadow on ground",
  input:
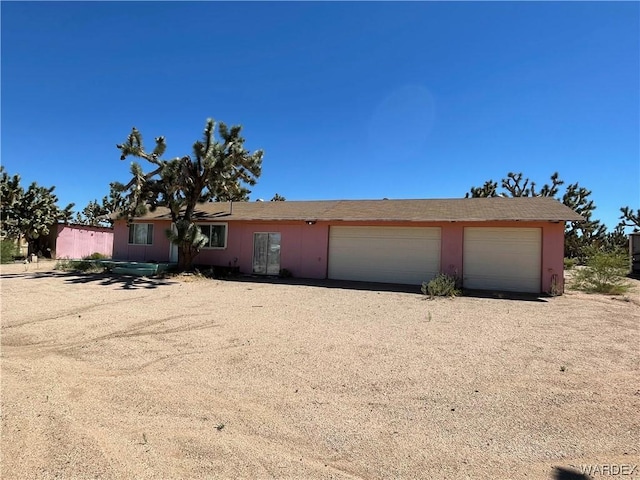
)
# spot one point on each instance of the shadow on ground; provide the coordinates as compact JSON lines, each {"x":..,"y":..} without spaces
{"x":129,"y":282}
{"x":376,"y":287}
{"x":125,"y":282}
{"x":568,"y":474}
{"x":498,"y":295}
{"x":341,"y":284}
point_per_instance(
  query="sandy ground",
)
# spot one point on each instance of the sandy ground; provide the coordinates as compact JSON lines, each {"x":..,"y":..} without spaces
{"x":109,"y":377}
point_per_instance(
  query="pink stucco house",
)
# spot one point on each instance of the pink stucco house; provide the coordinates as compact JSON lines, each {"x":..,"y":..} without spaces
{"x":511,"y":244}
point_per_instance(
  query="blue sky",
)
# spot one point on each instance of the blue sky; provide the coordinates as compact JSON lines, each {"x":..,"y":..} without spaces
{"x":359,"y":100}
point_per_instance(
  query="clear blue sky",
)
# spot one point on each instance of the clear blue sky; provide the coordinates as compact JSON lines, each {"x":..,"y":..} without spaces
{"x":348,"y":100}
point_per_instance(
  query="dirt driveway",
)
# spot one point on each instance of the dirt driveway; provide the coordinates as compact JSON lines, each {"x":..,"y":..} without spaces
{"x":108,"y":377}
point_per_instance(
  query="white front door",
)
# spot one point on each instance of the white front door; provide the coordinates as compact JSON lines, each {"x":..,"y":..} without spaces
{"x":173,"y":248}
{"x":266,"y":253}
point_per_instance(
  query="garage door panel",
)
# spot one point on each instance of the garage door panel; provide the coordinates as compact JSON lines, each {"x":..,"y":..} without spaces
{"x":502,"y":258}
{"x":507,"y":283}
{"x":408,"y":255}
{"x":505,"y":247}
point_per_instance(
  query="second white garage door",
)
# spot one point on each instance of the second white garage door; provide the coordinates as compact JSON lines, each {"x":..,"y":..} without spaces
{"x":502,"y":259}
{"x":409,"y":255}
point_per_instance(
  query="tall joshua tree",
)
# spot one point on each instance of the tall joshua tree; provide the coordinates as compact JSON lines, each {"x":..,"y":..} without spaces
{"x":217,"y":171}
{"x":100,"y":214}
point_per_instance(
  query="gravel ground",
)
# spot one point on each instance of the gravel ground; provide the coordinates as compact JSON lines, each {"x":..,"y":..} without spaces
{"x":111,"y":377}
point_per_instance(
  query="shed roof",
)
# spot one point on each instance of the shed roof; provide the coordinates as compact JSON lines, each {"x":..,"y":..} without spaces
{"x":432,"y":210}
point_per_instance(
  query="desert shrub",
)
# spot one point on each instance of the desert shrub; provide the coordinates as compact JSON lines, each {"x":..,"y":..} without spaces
{"x":284,"y":273}
{"x":569,"y":263}
{"x":605,"y":272}
{"x":95,"y":256}
{"x":78,"y":266}
{"x":8,"y":250}
{"x":442,"y":285}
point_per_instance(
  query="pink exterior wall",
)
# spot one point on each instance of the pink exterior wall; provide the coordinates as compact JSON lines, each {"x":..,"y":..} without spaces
{"x":156,"y":252}
{"x":304,"y":248}
{"x":552,"y":248}
{"x":452,"y":239}
{"x":78,"y":241}
{"x":553,"y":256}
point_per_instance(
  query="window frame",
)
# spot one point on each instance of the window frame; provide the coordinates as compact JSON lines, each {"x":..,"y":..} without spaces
{"x":215,"y":224}
{"x":132,"y":233}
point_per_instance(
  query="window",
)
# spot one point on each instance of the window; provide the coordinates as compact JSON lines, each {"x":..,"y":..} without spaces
{"x":141,"y":233}
{"x":216,"y":234}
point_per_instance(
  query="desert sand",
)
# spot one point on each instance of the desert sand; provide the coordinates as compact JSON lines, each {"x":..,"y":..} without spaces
{"x":111,"y":377}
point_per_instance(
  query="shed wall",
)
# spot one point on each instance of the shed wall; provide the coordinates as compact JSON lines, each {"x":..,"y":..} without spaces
{"x":78,"y":241}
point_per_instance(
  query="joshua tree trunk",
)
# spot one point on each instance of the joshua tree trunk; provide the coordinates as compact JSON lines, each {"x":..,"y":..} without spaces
{"x":186,"y":255}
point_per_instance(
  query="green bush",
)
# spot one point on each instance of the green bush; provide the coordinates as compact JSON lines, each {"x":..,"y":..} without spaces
{"x":95,"y":256}
{"x":605,"y":272}
{"x":442,"y":285}
{"x":8,"y":250}
{"x":569,"y":263}
{"x":79,"y":266}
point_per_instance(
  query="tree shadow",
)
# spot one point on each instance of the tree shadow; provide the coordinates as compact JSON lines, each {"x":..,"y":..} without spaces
{"x":561,"y":473}
{"x":106,"y":279}
{"x":123,"y":281}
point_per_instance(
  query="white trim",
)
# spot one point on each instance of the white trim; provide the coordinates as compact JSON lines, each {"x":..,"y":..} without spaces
{"x":173,"y":248}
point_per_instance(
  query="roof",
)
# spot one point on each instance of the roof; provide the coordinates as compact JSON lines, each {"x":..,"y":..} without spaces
{"x":436,"y":210}
{"x":83,"y":226}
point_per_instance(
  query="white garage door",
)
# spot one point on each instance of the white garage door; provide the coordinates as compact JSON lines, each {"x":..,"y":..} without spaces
{"x":502,"y":259}
{"x":409,"y":255}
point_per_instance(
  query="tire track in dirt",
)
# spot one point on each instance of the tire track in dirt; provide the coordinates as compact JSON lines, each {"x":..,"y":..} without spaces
{"x":139,"y":368}
{"x":39,"y":350}
{"x":85,"y":309}
{"x":253,"y":448}
{"x":280,"y":456}
{"x":48,"y":422}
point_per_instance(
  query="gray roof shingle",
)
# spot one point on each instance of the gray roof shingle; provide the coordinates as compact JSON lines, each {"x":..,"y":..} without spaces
{"x":433,"y":210}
